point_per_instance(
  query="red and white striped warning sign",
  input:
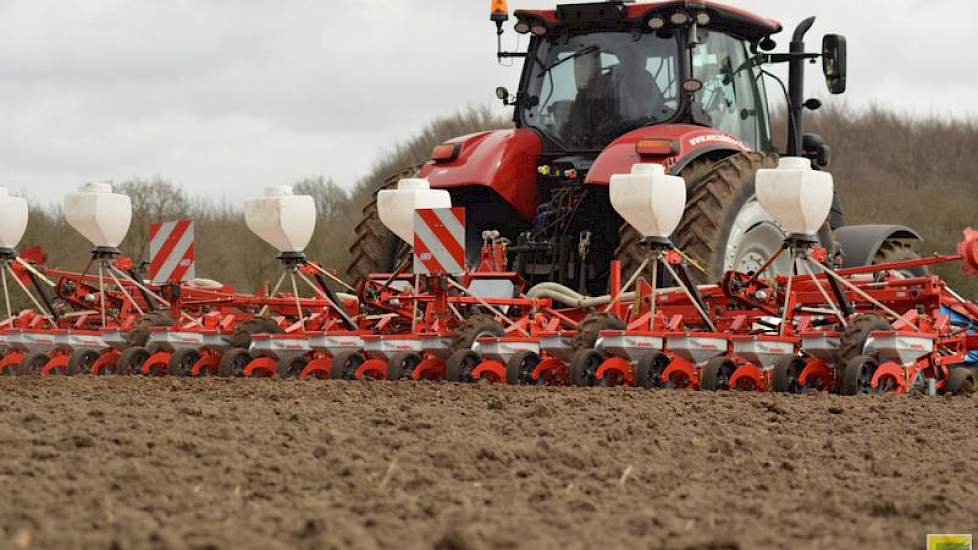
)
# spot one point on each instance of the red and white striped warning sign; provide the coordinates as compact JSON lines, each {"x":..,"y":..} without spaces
{"x":171,"y":251}
{"x":439,"y":241}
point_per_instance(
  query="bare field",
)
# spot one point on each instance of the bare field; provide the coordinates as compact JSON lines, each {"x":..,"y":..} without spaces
{"x":167,"y":463}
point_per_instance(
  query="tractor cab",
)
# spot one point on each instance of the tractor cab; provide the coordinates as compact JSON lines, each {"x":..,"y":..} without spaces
{"x":594,"y":72}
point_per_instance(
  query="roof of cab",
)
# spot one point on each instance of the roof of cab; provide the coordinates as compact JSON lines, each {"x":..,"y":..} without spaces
{"x":723,"y":17}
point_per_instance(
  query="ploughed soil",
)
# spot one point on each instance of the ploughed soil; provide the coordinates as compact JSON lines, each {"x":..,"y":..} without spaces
{"x":168,"y":463}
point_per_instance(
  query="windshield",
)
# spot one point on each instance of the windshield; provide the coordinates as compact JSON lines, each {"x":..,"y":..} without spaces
{"x":586,"y":90}
{"x":733,"y":94}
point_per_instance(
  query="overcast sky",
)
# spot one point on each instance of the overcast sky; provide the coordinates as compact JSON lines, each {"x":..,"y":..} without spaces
{"x":226,"y":96}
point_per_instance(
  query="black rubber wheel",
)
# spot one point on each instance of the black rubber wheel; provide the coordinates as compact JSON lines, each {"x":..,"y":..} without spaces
{"x":402,"y":364}
{"x":716,"y":374}
{"x":784,"y":378}
{"x":584,"y":366}
{"x":519,"y":368}
{"x":857,"y":375}
{"x":131,"y":361}
{"x":460,"y":365}
{"x":233,"y":363}
{"x":961,"y":381}
{"x":81,"y":361}
{"x":853,"y":340}
{"x":291,"y":367}
{"x":32,"y":363}
{"x":477,"y":326}
{"x":649,"y":369}
{"x":182,"y":361}
{"x":589,"y":329}
{"x":344,"y":365}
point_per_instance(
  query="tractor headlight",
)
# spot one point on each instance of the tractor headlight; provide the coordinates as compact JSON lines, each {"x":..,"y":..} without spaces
{"x":656,"y":23}
{"x":679,"y":18}
{"x":522,"y":27}
{"x":538,"y":30}
{"x":702,"y":18}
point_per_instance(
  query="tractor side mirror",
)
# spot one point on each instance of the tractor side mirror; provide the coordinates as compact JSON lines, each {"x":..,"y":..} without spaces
{"x":503,"y":94}
{"x":834,"y":62}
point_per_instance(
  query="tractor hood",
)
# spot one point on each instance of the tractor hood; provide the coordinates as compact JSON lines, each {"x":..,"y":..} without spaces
{"x":671,"y":145}
{"x":600,"y":15}
{"x":503,"y":160}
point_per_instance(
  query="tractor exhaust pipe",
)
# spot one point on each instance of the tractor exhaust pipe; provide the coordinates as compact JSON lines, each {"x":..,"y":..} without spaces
{"x":796,"y":86}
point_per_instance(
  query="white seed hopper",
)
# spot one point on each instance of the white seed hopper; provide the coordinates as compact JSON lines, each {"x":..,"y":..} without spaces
{"x":282,"y":219}
{"x":795,"y":195}
{"x":396,"y":207}
{"x":13,"y":219}
{"x":101,"y":216}
{"x":649,"y":200}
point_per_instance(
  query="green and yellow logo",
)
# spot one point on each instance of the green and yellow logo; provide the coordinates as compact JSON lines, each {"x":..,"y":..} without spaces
{"x":949,"y":542}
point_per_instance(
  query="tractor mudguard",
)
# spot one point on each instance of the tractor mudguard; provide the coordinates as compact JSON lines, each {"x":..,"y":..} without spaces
{"x":502,"y":160}
{"x":861,"y":243}
{"x":689,"y":143}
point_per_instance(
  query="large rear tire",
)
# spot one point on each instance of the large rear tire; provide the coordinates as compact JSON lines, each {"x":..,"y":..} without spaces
{"x":376,"y":248}
{"x":898,"y":250}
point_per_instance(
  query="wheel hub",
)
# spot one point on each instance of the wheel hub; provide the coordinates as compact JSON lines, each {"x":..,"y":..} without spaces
{"x":755,"y":237}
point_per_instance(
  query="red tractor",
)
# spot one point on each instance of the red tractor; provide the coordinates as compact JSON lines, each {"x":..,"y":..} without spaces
{"x":606,"y":85}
